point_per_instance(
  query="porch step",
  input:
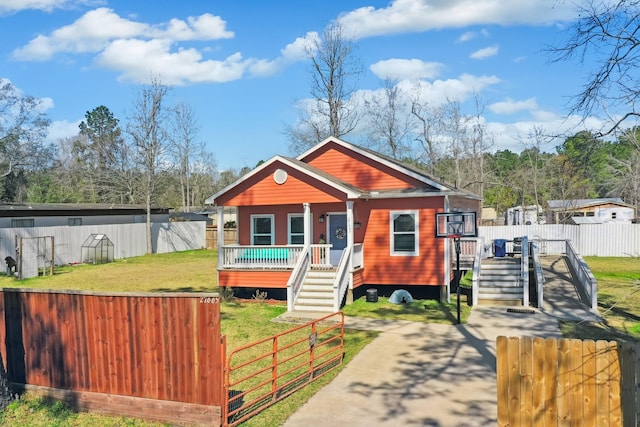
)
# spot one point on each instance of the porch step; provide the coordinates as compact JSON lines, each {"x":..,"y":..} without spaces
{"x":500,"y":282}
{"x":316,"y":293}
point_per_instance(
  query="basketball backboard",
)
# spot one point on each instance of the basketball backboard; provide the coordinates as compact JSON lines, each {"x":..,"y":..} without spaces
{"x":456,"y":224}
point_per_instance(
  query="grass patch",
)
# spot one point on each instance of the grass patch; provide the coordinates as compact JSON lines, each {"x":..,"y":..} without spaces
{"x":429,"y":311}
{"x":188,"y":271}
{"x":242,"y":322}
{"x":34,"y":411}
{"x":618,"y":301}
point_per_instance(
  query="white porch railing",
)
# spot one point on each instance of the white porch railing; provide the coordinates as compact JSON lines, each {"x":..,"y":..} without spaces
{"x":294,"y":284}
{"x":524,"y":271}
{"x":320,"y":256}
{"x":538,"y":273}
{"x":343,"y":277}
{"x":477,"y":265}
{"x":261,"y":257}
{"x":583,"y":275}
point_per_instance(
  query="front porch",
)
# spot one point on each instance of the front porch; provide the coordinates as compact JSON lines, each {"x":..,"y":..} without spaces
{"x":316,"y":277}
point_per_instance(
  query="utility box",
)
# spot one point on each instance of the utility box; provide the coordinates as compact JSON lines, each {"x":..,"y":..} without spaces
{"x":97,"y":249}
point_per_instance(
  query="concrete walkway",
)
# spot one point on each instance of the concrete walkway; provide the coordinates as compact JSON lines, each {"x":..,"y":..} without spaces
{"x":418,"y":374}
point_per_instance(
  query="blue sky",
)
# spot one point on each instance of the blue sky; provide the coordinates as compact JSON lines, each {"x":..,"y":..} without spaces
{"x":241,"y":65}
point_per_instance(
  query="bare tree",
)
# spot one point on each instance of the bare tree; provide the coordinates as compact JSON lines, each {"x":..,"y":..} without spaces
{"x":388,"y":124}
{"x":334,"y":69}
{"x":625,"y":171}
{"x":607,"y":33}
{"x":184,"y":143}
{"x":147,"y":129}
{"x":428,"y":129}
{"x":23,"y":127}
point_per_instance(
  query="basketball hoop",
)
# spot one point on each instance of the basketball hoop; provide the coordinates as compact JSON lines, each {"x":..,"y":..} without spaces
{"x":454,"y":225}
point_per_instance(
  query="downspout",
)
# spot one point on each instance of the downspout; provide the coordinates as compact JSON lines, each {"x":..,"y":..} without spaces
{"x":350,"y":242}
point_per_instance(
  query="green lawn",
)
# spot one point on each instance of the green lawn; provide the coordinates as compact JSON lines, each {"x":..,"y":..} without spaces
{"x":248,"y":321}
{"x":618,"y":301}
{"x":192,"y":271}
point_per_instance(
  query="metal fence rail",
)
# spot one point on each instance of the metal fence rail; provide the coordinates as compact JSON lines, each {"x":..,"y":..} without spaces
{"x":265,"y":372}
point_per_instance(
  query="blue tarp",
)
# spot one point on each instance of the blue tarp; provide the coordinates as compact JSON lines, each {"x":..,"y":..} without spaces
{"x":400,"y":296}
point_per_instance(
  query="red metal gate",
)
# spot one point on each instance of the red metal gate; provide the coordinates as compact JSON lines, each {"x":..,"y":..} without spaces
{"x":260,"y":374}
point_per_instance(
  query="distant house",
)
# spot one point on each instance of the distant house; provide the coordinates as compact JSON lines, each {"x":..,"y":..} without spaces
{"x":336,"y":221}
{"x":589,"y":211}
{"x":524,"y":215}
{"x":25,"y":215}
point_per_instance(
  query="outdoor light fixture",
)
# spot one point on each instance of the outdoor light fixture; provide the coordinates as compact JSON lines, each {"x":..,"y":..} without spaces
{"x":357,"y":224}
{"x":321,"y":218}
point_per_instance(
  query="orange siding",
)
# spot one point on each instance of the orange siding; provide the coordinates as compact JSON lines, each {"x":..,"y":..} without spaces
{"x":263,"y":190}
{"x":281,"y":215}
{"x":262,"y":279}
{"x":358,"y":278}
{"x":359,"y":170}
{"x":384,"y":269}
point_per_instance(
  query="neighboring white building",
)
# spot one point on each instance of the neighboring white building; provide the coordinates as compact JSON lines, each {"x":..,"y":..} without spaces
{"x":590,"y":211}
{"x":28,"y":215}
{"x":524,"y":215}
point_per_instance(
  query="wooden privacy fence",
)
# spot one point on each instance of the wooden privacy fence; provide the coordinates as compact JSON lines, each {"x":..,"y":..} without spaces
{"x":156,"y":356}
{"x":230,"y":236}
{"x":549,"y":382}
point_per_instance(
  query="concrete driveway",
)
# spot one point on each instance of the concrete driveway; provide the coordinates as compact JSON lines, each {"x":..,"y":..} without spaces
{"x":417,"y":374}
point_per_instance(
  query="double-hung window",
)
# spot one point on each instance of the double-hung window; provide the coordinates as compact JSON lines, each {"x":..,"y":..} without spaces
{"x":262,"y":230}
{"x":296,"y":229}
{"x":404,"y":233}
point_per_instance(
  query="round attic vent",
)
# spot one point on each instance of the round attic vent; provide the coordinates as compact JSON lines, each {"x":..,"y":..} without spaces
{"x":280,"y":176}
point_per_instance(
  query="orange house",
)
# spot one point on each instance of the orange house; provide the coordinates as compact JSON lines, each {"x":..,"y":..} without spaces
{"x":334,"y":222}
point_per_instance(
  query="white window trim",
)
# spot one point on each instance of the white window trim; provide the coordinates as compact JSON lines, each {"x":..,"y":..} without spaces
{"x":294,"y":215}
{"x":273,"y":225}
{"x":392,"y":215}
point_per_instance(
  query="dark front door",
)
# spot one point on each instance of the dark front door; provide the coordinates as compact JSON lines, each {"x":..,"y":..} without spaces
{"x":337,"y":236}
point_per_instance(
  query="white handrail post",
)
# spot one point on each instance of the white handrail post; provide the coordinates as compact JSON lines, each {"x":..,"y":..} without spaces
{"x":220,"y":232}
{"x":525,"y":271}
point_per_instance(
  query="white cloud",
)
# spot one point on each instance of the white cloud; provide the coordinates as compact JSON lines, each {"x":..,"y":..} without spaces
{"x":203,"y":27}
{"x":470,"y":35}
{"x":440,"y":92}
{"x":293,"y":52}
{"x":62,"y":129}
{"x":406,"y":69}
{"x":11,"y":6}
{"x":93,"y":32}
{"x":485,"y":53}
{"x":174,"y":68}
{"x":418,"y":15}
{"x":510,"y":106}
